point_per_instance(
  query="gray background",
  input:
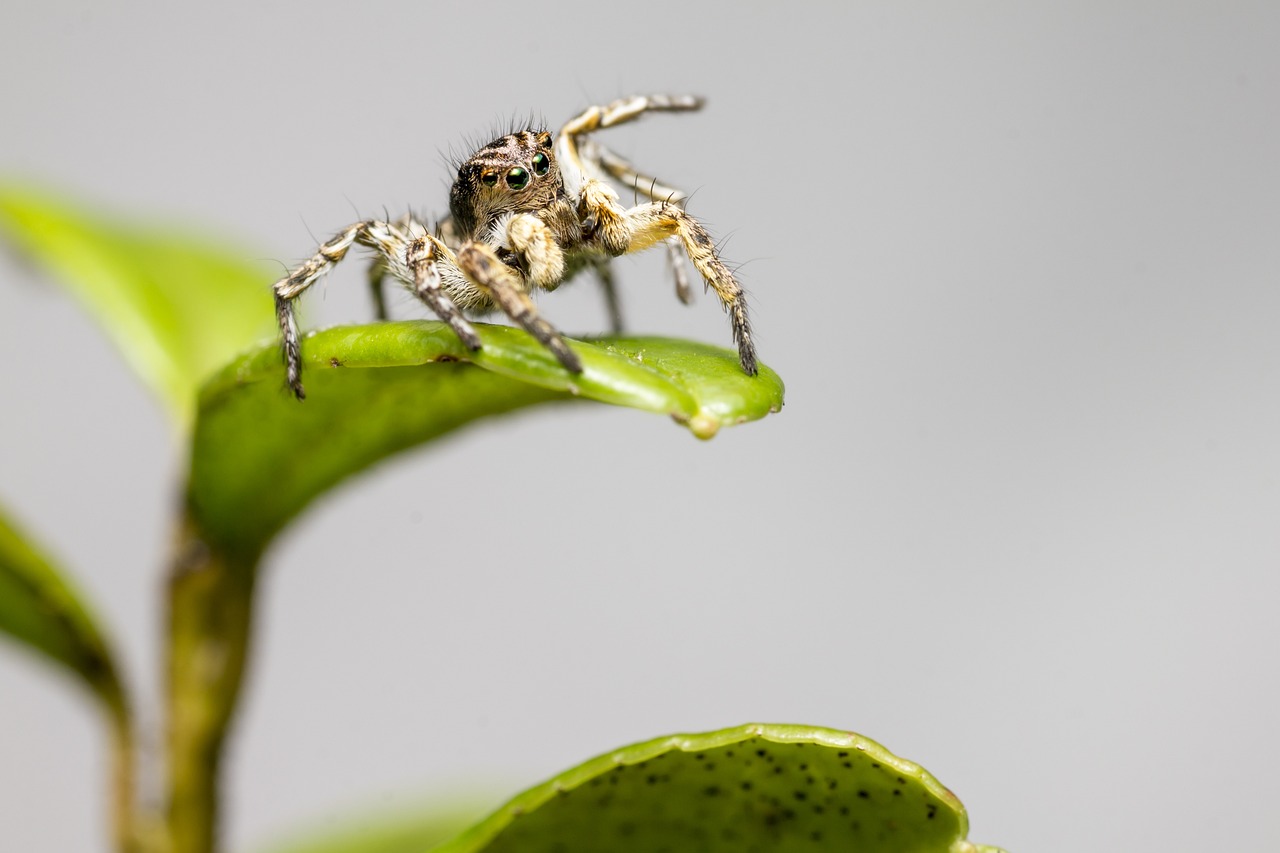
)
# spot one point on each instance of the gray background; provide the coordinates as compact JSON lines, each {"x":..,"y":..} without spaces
{"x":1018,"y":521}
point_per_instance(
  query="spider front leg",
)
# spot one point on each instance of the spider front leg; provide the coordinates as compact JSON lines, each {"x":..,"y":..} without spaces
{"x":383,"y":237}
{"x":656,"y":221}
{"x":481,"y":265}
{"x":601,"y":161}
{"x":621,"y":231}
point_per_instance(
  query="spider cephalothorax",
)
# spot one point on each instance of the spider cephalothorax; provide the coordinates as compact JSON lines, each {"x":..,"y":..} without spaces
{"x":527,"y":212}
{"x":513,"y":174}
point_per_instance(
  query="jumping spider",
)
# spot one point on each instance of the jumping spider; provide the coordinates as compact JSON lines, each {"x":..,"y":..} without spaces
{"x":526,"y":212}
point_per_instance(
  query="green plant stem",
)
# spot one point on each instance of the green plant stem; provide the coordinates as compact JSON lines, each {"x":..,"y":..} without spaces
{"x":125,"y":818}
{"x":210,"y":613}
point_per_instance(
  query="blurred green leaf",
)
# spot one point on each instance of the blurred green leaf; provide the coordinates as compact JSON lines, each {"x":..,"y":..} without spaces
{"x":177,"y":306}
{"x":259,"y":456}
{"x":396,"y":832}
{"x":39,"y":608}
{"x":767,"y":788}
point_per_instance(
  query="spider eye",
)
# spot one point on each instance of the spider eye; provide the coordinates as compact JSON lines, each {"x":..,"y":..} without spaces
{"x":517,"y":178}
{"x":541,"y":164}
{"x":489,"y":179}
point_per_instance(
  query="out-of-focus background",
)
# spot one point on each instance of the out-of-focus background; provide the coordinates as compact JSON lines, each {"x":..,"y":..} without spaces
{"x":1018,"y":521}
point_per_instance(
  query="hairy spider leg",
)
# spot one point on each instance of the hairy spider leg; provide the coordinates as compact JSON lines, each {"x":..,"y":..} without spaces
{"x":423,"y":258}
{"x":391,"y":245}
{"x":621,"y":231}
{"x":647,"y":224}
{"x":481,"y":265}
{"x":621,"y":170}
{"x":598,"y":118}
{"x":594,"y":161}
{"x":378,"y":270}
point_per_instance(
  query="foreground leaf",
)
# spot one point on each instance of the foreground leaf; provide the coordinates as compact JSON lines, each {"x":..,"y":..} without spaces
{"x":766,"y":788}
{"x":385,"y":833}
{"x":259,"y":456}
{"x":177,"y":307}
{"x":39,"y":608}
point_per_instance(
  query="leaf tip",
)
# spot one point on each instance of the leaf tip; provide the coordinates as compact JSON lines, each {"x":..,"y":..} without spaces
{"x":704,"y":426}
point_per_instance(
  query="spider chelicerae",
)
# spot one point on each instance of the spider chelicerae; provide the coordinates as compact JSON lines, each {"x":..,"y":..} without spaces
{"x":529,"y":211}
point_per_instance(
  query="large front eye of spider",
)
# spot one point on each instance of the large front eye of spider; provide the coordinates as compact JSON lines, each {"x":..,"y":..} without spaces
{"x":517,"y":178}
{"x":541,"y":164}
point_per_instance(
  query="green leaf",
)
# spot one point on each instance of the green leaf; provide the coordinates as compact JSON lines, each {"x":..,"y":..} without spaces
{"x":259,"y":456}
{"x":174,"y":304}
{"x":768,"y":788}
{"x":399,"y":832}
{"x":39,"y":608}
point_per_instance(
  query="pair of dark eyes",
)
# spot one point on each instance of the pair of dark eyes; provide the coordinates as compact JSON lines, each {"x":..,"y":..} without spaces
{"x":517,"y":177}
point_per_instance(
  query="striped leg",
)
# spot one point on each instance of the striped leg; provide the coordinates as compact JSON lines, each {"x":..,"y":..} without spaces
{"x":599,"y":118}
{"x":379,"y":269}
{"x":423,"y":258}
{"x":482,"y":267}
{"x":387,"y":240}
{"x":600,"y":160}
{"x":651,"y":223}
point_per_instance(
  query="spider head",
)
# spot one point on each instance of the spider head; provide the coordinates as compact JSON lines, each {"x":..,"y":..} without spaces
{"x":513,"y":174}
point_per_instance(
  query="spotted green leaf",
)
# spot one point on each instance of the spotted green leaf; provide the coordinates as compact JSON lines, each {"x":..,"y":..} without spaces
{"x":765,"y":788}
{"x":259,"y":456}
{"x":39,"y":608}
{"x":175,"y":305}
